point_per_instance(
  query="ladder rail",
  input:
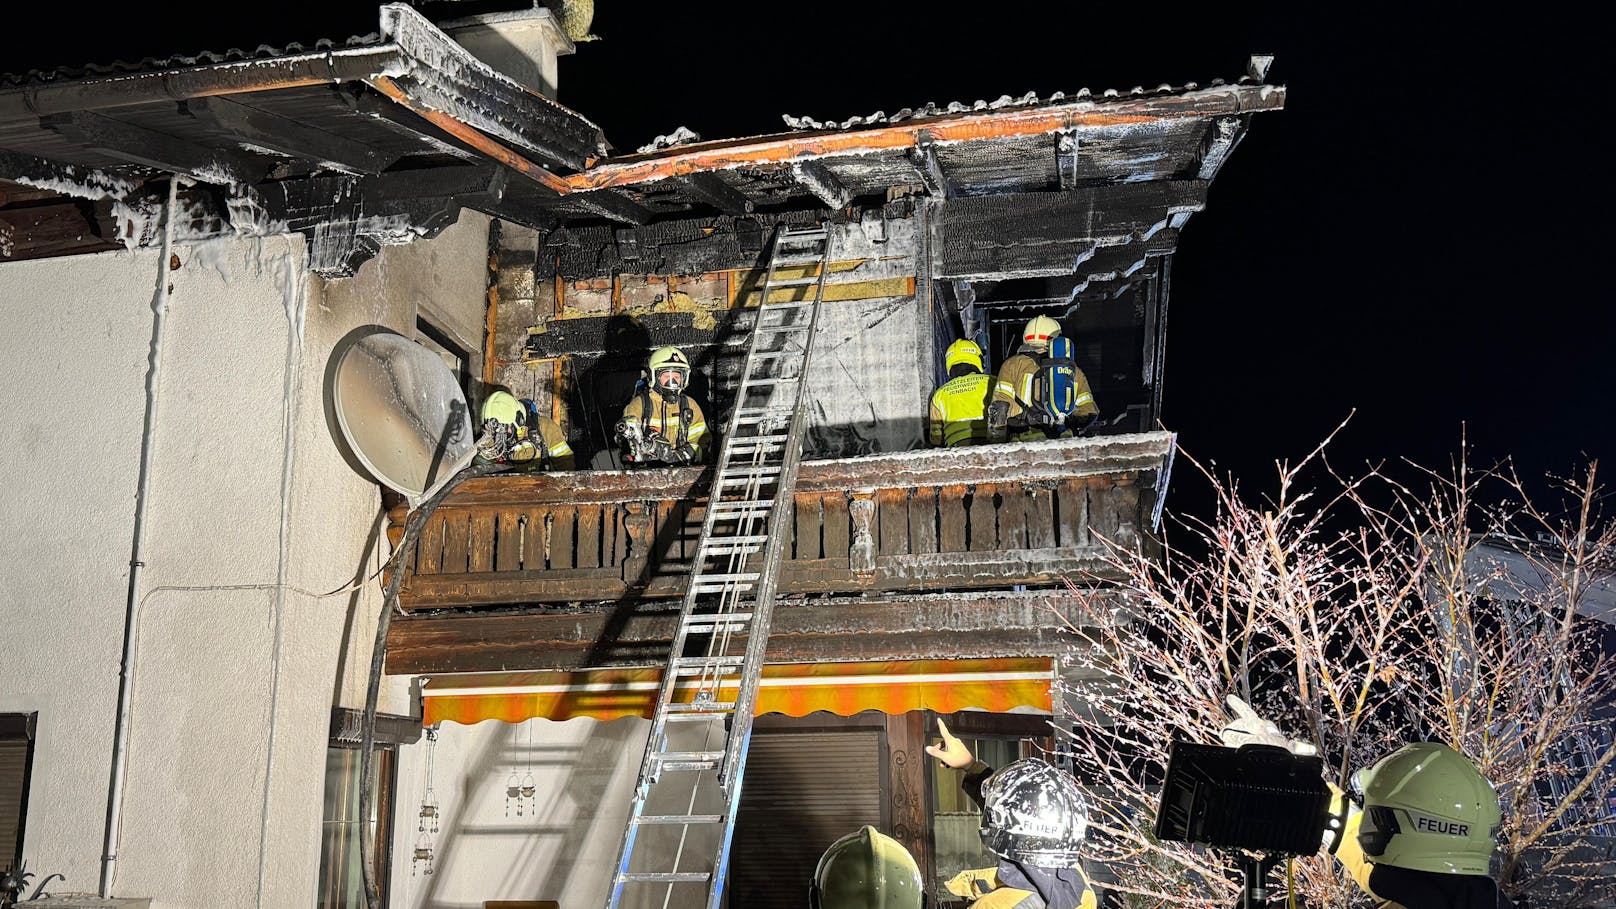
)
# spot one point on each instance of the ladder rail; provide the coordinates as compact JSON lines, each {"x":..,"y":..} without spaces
{"x":751,"y":460}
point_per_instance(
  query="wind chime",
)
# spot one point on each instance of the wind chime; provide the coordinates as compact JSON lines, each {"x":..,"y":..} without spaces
{"x":426,"y":826}
{"x":521,"y":792}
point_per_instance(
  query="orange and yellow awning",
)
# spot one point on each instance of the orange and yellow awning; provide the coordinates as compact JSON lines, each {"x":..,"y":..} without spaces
{"x":794,"y":689}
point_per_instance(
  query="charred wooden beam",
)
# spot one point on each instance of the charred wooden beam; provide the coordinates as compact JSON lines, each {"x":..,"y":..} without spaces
{"x":715,"y":191}
{"x":1219,"y":144}
{"x":288,"y":137}
{"x":842,"y":630}
{"x":139,"y":145}
{"x":604,"y":203}
{"x":817,"y":179}
{"x":408,"y":124}
{"x":1053,"y":233}
{"x":83,"y":182}
{"x":68,"y":226}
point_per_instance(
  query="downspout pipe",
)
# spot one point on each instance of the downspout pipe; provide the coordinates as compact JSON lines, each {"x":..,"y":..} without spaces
{"x":126,"y":669}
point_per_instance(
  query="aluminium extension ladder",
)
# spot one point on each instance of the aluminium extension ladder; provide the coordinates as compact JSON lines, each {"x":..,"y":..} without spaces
{"x":731,"y":593}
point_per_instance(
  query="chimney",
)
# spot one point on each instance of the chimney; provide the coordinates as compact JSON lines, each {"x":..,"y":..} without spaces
{"x":522,"y":44}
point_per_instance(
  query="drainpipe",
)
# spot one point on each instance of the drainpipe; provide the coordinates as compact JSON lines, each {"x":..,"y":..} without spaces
{"x":126,"y":669}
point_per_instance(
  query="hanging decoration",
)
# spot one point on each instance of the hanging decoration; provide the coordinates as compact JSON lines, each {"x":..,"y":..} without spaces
{"x":528,"y":789}
{"x":426,"y":826}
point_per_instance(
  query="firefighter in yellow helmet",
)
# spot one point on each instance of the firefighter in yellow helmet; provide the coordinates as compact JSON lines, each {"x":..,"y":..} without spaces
{"x":1040,"y":393}
{"x":1034,"y":818}
{"x":662,"y":424}
{"x":1423,"y":836}
{"x":514,"y":432}
{"x":959,"y":407}
{"x":867,"y":869}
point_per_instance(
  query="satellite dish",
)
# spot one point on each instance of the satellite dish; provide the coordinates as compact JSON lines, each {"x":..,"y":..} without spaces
{"x":402,"y":413}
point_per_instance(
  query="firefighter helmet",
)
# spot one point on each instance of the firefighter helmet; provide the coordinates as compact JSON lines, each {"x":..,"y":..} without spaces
{"x":1427,"y":808}
{"x":1038,"y":332}
{"x":866,"y":869}
{"x":963,"y":351}
{"x":503,"y":408}
{"x":1034,"y":814}
{"x":670,"y":370}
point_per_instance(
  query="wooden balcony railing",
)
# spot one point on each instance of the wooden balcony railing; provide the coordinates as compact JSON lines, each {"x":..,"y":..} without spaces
{"x":989,"y":516}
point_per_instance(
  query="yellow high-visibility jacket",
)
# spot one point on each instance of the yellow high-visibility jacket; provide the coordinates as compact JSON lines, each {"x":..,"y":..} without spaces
{"x":982,"y":886}
{"x":959,"y":411}
{"x":1014,"y":386}
{"x":679,"y":421}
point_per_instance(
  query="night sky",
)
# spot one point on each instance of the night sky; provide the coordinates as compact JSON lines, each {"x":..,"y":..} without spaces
{"x":1419,"y":235}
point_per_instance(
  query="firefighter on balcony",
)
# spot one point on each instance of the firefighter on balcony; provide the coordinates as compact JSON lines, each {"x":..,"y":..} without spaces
{"x":1034,"y":818}
{"x":867,"y":869}
{"x":1422,"y":837}
{"x":514,"y":432}
{"x":959,"y":407}
{"x":662,"y":424}
{"x":1040,"y":393}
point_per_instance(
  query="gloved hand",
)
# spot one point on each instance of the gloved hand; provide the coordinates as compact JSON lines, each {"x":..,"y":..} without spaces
{"x":495,"y":442}
{"x":951,"y":752}
{"x":998,"y":415}
{"x":1248,"y":728}
{"x":684,"y":454}
{"x":662,"y":450}
{"x":1081,"y":425}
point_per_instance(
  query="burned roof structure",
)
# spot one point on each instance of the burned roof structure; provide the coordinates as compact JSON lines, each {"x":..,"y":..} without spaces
{"x":384,"y":138}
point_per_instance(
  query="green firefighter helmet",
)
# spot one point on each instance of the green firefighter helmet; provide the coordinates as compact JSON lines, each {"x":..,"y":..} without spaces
{"x":962,"y":351}
{"x":1427,"y":808}
{"x":866,"y":869}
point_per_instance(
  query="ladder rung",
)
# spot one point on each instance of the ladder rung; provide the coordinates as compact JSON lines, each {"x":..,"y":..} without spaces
{"x":679,"y":819}
{"x":720,"y":588}
{"x":744,"y":577}
{"x":687,"y":757}
{"x":794,"y":282}
{"x":710,"y":621}
{"x":700,"y":709}
{"x":768,"y":380}
{"x":749,"y":478}
{"x":779,"y":410}
{"x":665,"y":877}
{"x":743,"y":505}
{"x":727,"y":548}
{"x":746,"y":473}
{"x":701,"y":662}
{"x":744,"y":539}
{"x":780,"y":329}
{"x":777,"y":307}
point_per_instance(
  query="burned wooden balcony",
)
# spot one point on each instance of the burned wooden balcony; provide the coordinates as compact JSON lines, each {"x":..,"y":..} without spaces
{"x":975,"y":518}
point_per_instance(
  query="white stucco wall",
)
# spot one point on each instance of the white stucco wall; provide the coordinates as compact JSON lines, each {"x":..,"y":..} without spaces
{"x":255,"y":525}
{"x":584,"y":773}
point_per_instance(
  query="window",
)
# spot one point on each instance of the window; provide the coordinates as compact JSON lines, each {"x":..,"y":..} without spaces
{"x":453,"y":355}
{"x":956,"y":821}
{"x":16,"y":761}
{"x":342,"y":881}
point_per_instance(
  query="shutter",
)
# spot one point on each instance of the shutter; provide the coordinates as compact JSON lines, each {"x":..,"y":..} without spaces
{"x":801,"y":792}
{"x":13,"y":777}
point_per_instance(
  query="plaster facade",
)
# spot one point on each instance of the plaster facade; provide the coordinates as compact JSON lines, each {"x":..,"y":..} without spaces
{"x":257,"y":528}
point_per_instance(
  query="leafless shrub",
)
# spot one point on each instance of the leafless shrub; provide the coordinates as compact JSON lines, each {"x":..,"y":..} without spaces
{"x":1359,"y":613}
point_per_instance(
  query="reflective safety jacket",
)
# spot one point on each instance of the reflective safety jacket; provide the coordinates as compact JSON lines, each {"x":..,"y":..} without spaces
{"x":1402,"y":888}
{"x":987,"y":889}
{"x":1014,"y":386}
{"x":959,"y":411}
{"x":680,"y":421}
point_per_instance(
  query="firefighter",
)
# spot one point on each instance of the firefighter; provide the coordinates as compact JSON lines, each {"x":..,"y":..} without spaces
{"x":514,"y":432}
{"x":1034,"y":817}
{"x":1423,"y":836}
{"x":867,"y":869}
{"x":662,"y":424}
{"x":1037,"y":395}
{"x":959,"y":407}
